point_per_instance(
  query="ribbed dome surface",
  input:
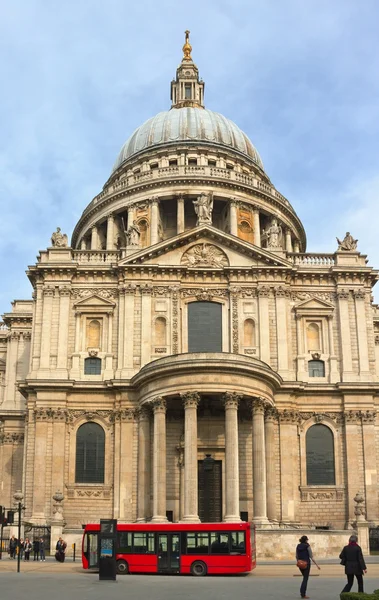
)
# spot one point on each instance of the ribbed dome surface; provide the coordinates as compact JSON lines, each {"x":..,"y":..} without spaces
{"x":187,"y":125}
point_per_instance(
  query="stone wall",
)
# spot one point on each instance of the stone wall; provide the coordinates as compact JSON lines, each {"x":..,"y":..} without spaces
{"x":280,"y":544}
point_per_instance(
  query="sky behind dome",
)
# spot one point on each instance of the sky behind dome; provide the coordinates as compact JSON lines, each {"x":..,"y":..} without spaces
{"x":300,"y":77}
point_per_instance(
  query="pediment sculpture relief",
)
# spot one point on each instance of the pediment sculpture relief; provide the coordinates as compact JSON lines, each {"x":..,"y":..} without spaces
{"x":205,"y":255}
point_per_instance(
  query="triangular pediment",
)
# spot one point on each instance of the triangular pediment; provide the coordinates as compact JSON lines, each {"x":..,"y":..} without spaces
{"x":93,"y":300}
{"x":206,"y":247}
{"x":314,"y":302}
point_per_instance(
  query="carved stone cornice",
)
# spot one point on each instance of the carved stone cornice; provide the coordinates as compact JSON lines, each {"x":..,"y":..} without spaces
{"x":357,"y":416}
{"x":48,"y":291}
{"x":302,"y":296}
{"x":123,"y":414}
{"x":11,"y":438}
{"x":249,"y":292}
{"x":190,"y":399}
{"x":231,"y":400}
{"x":309,"y":493}
{"x":82,"y":491}
{"x":128,"y":290}
{"x":337,"y":417}
{"x":204,"y":293}
{"x":289,"y":416}
{"x":65,"y":290}
{"x":159,"y":404}
{"x":146,"y":290}
{"x":368,"y":416}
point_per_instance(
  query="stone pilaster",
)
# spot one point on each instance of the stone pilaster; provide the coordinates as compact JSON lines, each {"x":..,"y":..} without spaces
{"x":94,"y":238}
{"x":180,"y":214}
{"x":344,"y":327}
{"x":288,"y":240}
{"x":190,"y":401}
{"x":48,"y":297}
{"x":259,"y":463}
{"x":334,"y":375}
{"x":271,"y":417}
{"x":231,"y":402}
{"x":360,"y":312}
{"x":110,"y":232}
{"x":370,"y":470}
{"x":281,"y":295}
{"x":289,"y":456}
{"x":257,"y":227}
{"x":264,"y":323}
{"x":233,"y":225}
{"x":64,"y":315}
{"x":143,"y":493}
{"x":154,"y":220}
{"x":146,"y":324}
{"x":159,"y":461}
{"x":127,"y":465}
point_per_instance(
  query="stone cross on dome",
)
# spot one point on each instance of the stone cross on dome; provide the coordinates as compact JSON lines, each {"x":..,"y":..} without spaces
{"x":187,"y":89}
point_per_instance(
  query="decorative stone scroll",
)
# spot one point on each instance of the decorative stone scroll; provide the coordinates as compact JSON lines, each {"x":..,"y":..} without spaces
{"x":282,"y":292}
{"x":102,"y":292}
{"x":258,"y":405}
{"x":359,"y":294}
{"x":356,"y":416}
{"x":263,"y":291}
{"x":289,"y":416}
{"x":175,"y":315}
{"x":302,"y":296}
{"x":159,"y":404}
{"x":82,"y":491}
{"x":234,"y":292}
{"x":271,"y":414}
{"x":309,"y":494}
{"x":343,"y":294}
{"x":206,"y":294}
{"x":205,"y":255}
{"x":336,"y":417}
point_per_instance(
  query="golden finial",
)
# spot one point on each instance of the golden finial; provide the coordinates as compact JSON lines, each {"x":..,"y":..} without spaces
{"x":187,"y":48}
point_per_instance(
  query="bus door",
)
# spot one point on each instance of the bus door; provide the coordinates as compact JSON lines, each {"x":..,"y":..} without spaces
{"x":168,"y":553}
{"x":92,"y":549}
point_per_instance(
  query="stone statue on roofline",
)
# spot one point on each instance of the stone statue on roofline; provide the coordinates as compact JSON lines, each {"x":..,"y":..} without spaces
{"x":133,"y":234}
{"x":203,"y":209}
{"x":59,"y":239}
{"x":273,"y":234}
{"x":348,"y":244}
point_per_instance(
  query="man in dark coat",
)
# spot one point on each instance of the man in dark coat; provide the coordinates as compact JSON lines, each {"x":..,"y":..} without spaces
{"x":352,"y":558}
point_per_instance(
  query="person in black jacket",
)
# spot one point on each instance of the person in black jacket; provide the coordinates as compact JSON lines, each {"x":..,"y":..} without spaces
{"x":304,"y":552}
{"x":352,"y":558}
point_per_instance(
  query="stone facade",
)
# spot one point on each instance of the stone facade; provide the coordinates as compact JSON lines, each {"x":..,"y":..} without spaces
{"x":180,"y":222}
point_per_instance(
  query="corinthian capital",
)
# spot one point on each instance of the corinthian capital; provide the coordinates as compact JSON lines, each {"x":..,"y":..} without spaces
{"x":258,"y":405}
{"x":190,"y":399}
{"x":159,"y":404}
{"x":231,"y":399}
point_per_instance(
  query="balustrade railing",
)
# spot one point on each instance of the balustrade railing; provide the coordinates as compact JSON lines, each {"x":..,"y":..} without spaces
{"x":95,"y":256}
{"x":312,"y":259}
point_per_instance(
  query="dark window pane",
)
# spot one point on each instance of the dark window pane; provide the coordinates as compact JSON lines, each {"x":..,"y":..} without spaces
{"x":90,"y":451}
{"x":316,"y":368}
{"x":219,"y":543}
{"x":320,"y":456}
{"x":238,"y":542}
{"x":92,"y":366}
{"x":187,"y":89}
{"x":124,"y":542}
{"x":197,"y":543}
{"x":204,"y":327}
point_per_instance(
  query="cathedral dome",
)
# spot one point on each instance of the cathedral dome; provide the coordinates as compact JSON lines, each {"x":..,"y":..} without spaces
{"x":188,"y":125}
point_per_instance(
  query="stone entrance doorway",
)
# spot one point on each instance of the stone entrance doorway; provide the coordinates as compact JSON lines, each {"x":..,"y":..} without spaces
{"x":210,"y":490}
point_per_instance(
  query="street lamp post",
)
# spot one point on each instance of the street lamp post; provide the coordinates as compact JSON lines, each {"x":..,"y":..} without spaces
{"x":18,"y":496}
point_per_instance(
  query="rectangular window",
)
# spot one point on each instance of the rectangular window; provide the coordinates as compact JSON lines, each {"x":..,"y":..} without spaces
{"x":154,"y":166}
{"x":197,"y":543}
{"x":238,"y":542}
{"x":212,"y":163}
{"x":219,"y":543}
{"x":124,"y":542}
{"x":187,"y":91}
{"x":173,"y":162}
{"x":192,"y":162}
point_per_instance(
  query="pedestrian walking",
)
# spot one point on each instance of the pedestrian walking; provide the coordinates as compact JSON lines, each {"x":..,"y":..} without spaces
{"x":35,"y":549}
{"x":354,"y":563}
{"x":304,"y":556}
{"x":12,"y":547}
{"x":42,"y":556}
{"x":60,"y":550}
{"x":20,"y":547}
{"x":27,"y":549}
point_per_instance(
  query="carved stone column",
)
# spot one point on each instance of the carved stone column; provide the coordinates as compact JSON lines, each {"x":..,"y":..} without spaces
{"x":180,"y":214}
{"x":110,"y":232}
{"x":288,"y":240}
{"x":131,"y":215}
{"x":83,"y":244}
{"x":94,"y":238}
{"x":257,"y":227}
{"x":233,"y":225}
{"x":344,"y":327}
{"x":271,"y":417}
{"x":190,"y":401}
{"x":143,"y":493}
{"x":154,"y":220}
{"x":259,"y":463}
{"x":159,"y":461}
{"x":296,"y":246}
{"x":231,"y":402}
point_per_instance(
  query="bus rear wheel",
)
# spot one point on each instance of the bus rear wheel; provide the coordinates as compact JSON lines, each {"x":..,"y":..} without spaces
{"x":198,"y":568}
{"x":122,"y":567}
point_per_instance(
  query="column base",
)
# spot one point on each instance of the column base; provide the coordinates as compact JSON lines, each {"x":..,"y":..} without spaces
{"x":261,"y":523}
{"x":232,"y":519}
{"x":141,"y":520}
{"x":190,"y":519}
{"x":159,"y":519}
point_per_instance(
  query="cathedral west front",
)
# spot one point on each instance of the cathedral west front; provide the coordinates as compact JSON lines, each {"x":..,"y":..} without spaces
{"x":184,"y":356}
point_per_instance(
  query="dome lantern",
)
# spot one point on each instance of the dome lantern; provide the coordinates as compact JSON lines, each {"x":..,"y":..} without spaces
{"x":187,"y":89}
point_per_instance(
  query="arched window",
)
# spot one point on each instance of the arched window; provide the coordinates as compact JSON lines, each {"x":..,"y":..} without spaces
{"x":313,"y":337}
{"x":320,"y":456}
{"x":204,"y":327}
{"x":316,"y":368}
{"x":160,"y":331}
{"x":93,"y":334}
{"x":90,"y":452}
{"x":249,"y":333}
{"x":92,"y":366}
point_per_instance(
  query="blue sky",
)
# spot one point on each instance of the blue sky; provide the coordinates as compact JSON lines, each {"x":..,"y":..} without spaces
{"x":300,"y":77}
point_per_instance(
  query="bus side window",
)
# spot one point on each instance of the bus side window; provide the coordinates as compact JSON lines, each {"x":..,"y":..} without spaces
{"x":150,"y":543}
{"x":124,"y":540}
{"x":238,"y":542}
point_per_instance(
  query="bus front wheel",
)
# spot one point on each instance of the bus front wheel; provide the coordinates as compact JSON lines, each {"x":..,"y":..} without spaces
{"x":122,"y":567}
{"x":198,"y":569}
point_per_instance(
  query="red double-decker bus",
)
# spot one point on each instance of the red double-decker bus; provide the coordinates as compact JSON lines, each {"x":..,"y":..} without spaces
{"x":199,"y":549}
